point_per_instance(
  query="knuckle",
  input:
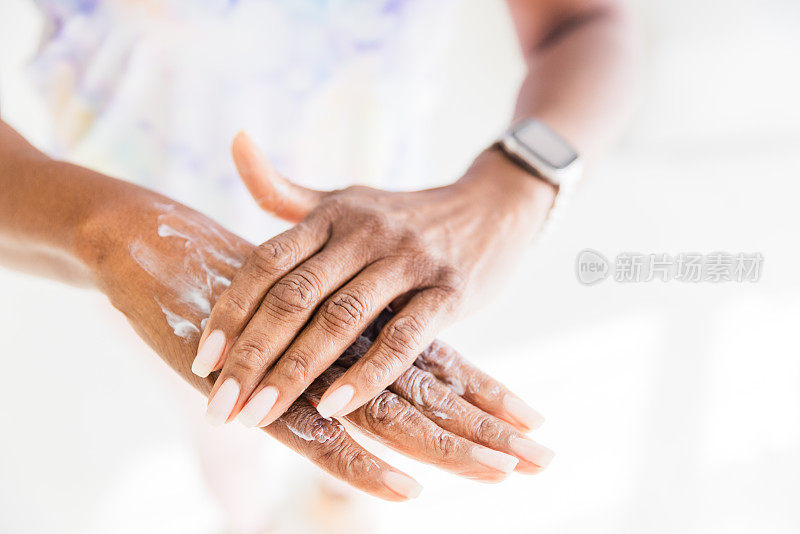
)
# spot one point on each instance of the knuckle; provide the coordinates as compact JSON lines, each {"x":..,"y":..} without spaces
{"x":295,"y":292}
{"x":344,"y":311}
{"x":308,"y":425}
{"x":404,"y":335}
{"x":438,"y":356}
{"x":385,"y":409}
{"x":339,"y":454}
{"x":443,"y":444}
{"x":273,"y":257}
{"x":374,"y":373}
{"x":248,"y":357}
{"x":323,"y":431}
{"x":354,"y":462}
{"x":420,"y":387}
{"x":487,"y":429}
{"x":296,"y":366}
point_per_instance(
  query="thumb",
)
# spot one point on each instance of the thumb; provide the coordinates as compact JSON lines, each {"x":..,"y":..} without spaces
{"x":273,"y":192}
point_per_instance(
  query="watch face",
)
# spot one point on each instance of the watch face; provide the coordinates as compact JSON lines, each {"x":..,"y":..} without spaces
{"x":545,"y":144}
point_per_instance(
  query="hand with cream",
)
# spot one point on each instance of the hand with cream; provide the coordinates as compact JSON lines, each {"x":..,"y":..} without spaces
{"x":302,"y":297}
{"x":164,"y":266}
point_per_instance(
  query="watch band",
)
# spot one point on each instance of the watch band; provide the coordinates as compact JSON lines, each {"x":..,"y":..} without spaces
{"x":536,"y":148}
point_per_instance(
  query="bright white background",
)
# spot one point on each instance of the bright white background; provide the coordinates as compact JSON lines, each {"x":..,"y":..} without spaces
{"x":672,"y":407}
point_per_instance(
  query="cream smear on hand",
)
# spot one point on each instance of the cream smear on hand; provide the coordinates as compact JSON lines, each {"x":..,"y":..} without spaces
{"x":193,"y":281}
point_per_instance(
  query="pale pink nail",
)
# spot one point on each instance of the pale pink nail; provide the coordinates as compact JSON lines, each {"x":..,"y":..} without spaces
{"x":401,"y":484}
{"x":334,"y":402}
{"x":532,"y":452}
{"x":209,"y":353}
{"x":222,"y":403}
{"x":258,"y":407}
{"x":523,"y":413}
{"x":495,"y":459}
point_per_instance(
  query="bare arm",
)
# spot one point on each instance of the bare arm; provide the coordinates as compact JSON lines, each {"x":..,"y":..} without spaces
{"x":164,"y":265}
{"x":42,"y":207}
{"x":582,"y":62}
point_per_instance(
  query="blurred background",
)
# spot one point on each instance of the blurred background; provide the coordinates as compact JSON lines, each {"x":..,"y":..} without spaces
{"x":673,"y":407}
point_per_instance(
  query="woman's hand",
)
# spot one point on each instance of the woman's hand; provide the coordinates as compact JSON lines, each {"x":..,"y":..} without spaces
{"x":164,"y":266}
{"x":304,"y":296}
{"x":453,"y":396}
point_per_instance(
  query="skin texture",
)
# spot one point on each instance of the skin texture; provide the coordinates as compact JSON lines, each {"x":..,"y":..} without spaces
{"x":303,"y":296}
{"x":151,"y":293}
{"x":164,"y":265}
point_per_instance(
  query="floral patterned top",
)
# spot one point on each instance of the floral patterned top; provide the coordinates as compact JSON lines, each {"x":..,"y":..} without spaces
{"x":335,"y":91}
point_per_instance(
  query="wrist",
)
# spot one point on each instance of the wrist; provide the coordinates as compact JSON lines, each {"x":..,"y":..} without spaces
{"x":509,"y":187}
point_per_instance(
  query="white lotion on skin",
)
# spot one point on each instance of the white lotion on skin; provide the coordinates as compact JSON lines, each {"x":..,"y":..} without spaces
{"x":181,"y":326}
{"x":323,"y":435}
{"x":193,"y":282}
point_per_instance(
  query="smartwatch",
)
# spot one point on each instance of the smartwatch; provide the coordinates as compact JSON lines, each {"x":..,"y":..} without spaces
{"x":532,"y":145}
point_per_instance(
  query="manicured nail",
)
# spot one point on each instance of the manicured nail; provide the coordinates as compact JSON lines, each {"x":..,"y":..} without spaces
{"x":523,"y":413}
{"x":401,"y":484}
{"x":258,"y":407}
{"x":222,"y":403}
{"x":532,"y":452}
{"x":335,"y":401}
{"x":209,"y":353}
{"x":492,"y":459}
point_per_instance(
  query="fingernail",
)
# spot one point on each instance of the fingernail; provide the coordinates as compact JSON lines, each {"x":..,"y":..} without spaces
{"x":523,"y":413}
{"x":401,"y":484}
{"x":495,"y":459}
{"x":532,"y":452}
{"x":334,"y":402}
{"x":209,"y":353}
{"x":222,"y":403}
{"x":258,"y":407}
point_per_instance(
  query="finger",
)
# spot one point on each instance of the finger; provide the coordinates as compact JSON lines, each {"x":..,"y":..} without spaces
{"x":334,"y":327}
{"x":394,"y":350}
{"x":263,"y":267}
{"x":442,"y":405}
{"x":453,"y":413}
{"x":326,"y":444}
{"x":392,"y":420}
{"x":283,"y":313}
{"x":273,"y":192}
{"x":480,"y":389}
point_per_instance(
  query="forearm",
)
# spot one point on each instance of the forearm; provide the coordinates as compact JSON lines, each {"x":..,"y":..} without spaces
{"x":581,"y":59}
{"x":581,"y":72}
{"x":46,"y":208}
